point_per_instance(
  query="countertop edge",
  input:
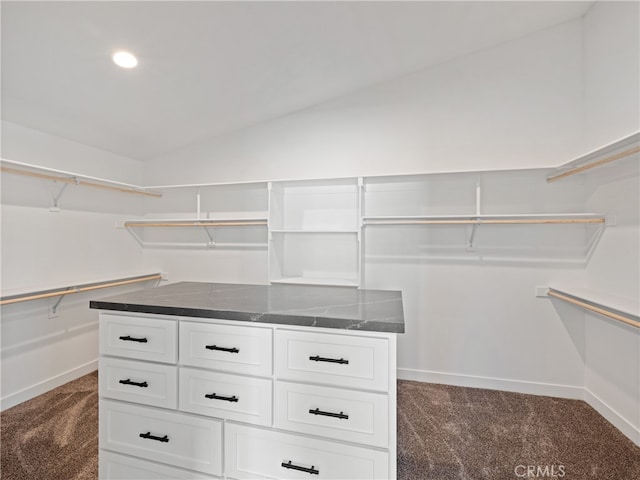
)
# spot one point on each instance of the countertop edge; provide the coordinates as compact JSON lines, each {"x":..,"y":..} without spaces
{"x":252,"y":317}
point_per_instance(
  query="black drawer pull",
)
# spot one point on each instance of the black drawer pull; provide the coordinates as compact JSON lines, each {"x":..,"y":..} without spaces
{"x":137,"y":384}
{"x":222,"y":349}
{"x":292,"y":466}
{"x":213,"y":396}
{"x":318,"y":358}
{"x":133,"y":339}
{"x":148,"y":435}
{"x":340,"y":415}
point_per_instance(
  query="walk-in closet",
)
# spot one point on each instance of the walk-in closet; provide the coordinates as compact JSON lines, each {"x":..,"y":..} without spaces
{"x":320,"y":240}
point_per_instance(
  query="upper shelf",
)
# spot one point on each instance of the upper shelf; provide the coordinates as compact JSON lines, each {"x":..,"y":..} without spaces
{"x":234,"y":222}
{"x":623,"y":148}
{"x":44,"y":173}
{"x":523,"y":219}
{"x":77,"y":288}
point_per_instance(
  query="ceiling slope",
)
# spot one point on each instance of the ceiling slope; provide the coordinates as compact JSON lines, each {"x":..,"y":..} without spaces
{"x":209,"y":68}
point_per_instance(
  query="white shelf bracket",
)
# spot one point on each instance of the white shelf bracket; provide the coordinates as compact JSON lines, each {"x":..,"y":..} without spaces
{"x":198,"y":205}
{"x":56,"y":197}
{"x":478,"y":196}
{"x":211,"y":242}
{"x":471,"y":246}
{"x":54,"y":309}
{"x":133,"y":233}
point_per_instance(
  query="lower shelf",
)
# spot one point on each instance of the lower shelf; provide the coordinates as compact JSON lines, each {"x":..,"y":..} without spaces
{"x":616,"y":308}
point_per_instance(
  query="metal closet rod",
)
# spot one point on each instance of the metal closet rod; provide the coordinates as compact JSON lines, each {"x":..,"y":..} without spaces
{"x":75,"y":179}
{"x":595,"y":164}
{"x":593,"y":308}
{"x":78,"y":289}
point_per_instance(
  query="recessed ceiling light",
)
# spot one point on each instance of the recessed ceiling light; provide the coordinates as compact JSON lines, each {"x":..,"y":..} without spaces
{"x":124,"y":59}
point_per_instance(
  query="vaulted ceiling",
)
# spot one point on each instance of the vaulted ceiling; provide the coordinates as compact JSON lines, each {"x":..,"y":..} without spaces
{"x":209,"y":68}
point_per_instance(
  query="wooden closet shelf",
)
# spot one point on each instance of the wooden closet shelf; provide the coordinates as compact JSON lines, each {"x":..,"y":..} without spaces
{"x":74,"y":178}
{"x":623,"y":148}
{"x":86,"y":287}
{"x":489,"y":219}
{"x":614,"y":308}
{"x":196,"y":223}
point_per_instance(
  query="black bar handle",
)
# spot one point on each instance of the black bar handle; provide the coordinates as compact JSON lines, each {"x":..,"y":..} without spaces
{"x":213,"y":396}
{"x":222,"y":349}
{"x":137,"y":384}
{"x":318,"y":358}
{"x":340,"y":415}
{"x":148,"y":435}
{"x":293,"y":466}
{"x":133,"y":339}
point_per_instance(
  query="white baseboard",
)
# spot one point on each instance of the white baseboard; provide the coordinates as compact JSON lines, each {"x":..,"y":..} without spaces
{"x":613,"y":417}
{"x":33,"y":391}
{"x":517,"y":386}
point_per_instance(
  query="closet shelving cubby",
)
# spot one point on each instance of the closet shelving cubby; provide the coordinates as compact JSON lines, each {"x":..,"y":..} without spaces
{"x":314,"y":232}
{"x":204,"y":216}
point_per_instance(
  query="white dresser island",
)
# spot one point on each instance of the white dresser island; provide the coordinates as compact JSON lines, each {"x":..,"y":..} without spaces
{"x":202,"y":380}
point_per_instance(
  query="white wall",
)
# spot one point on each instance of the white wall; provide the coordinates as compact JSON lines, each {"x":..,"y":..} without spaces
{"x":518,"y":105}
{"x":612,"y":110}
{"x":611,"y":72}
{"x":41,"y":250}
{"x":27,"y":145}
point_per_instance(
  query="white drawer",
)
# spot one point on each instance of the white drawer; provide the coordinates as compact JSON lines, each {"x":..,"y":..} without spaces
{"x":178,"y":439}
{"x":114,"y":466}
{"x":225,"y":347}
{"x":348,"y":415}
{"x":231,"y":397}
{"x":342,"y":360}
{"x":255,"y":453}
{"x":138,"y":382}
{"x":137,"y":337}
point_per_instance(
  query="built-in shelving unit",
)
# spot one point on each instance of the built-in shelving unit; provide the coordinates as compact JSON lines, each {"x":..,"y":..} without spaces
{"x":314,"y":230}
{"x":207,"y":228}
{"x":205,"y":216}
{"x":314,"y":235}
{"x":477,"y":200}
{"x":611,"y":306}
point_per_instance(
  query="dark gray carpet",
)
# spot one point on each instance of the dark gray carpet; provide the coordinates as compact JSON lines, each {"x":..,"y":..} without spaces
{"x":53,"y":436}
{"x":459,"y":433}
{"x":443,"y":433}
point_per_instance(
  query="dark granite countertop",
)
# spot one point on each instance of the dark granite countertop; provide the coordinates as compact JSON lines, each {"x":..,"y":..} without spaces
{"x":310,"y":306}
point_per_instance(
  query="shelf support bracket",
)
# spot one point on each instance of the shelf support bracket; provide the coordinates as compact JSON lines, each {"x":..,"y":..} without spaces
{"x":211,"y":242}
{"x":54,"y":308}
{"x":135,"y":236}
{"x":472,"y":237}
{"x":56,"y":197}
